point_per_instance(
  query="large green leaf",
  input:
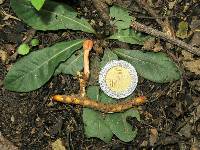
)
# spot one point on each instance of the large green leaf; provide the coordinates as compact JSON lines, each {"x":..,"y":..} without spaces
{"x":122,"y":18}
{"x":35,"y":69}
{"x":156,"y":67}
{"x":37,"y":4}
{"x":129,"y":36}
{"x":52,"y":16}
{"x":94,"y":124}
{"x":117,"y":121}
{"x":108,"y":56}
{"x":103,"y":126}
{"x":72,"y":65}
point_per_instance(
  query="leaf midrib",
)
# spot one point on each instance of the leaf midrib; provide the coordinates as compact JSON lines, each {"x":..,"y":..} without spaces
{"x":81,"y":54}
{"x":47,"y":61}
{"x":64,"y":17}
{"x":70,"y":19}
{"x":134,"y":58}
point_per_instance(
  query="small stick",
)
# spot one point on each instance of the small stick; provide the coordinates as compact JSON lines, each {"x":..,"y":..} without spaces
{"x":143,"y":28}
{"x":103,"y":107}
{"x":146,"y":7}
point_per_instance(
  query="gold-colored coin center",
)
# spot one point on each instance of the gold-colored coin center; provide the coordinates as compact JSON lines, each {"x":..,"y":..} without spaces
{"x":118,"y":79}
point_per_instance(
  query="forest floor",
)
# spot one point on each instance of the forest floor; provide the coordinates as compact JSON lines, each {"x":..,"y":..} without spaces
{"x":170,"y":120}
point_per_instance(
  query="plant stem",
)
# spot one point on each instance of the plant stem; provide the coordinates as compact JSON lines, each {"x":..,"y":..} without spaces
{"x":143,"y":28}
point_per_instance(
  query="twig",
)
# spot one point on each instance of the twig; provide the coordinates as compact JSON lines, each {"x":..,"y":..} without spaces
{"x":102,"y":8}
{"x":103,"y":107}
{"x":143,"y":4}
{"x":30,"y":35}
{"x":8,"y":16}
{"x":143,"y":28}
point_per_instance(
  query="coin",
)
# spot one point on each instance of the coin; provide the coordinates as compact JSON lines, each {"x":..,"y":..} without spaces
{"x":118,"y":79}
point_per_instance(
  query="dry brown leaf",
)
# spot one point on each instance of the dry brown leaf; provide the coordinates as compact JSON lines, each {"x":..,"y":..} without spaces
{"x":193,"y":66}
{"x":195,"y":84}
{"x":1,"y":1}
{"x":186,"y":55}
{"x":153,"y":136}
{"x":58,"y":145}
{"x":152,"y":45}
{"x":3,"y":56}
{"x":168,"y":29}
{"x":157,"y":47}
{"x":195,"y":41}
{"x":186,"y":130}
{"x":5,"y":144}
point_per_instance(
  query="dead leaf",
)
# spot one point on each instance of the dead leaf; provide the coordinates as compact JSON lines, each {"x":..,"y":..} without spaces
{"x":196,"y":84}
{"x":196,"y":39}
{"x":186,"y":55}
{"x":98,"y":47}
{"x":1,"y":1}
{"x":186,"y":131}
{"x":195,"y":147}
{"x":157,"y":47}
{"x":149,"y":44}
{"x":144,"y":143}
{"x":152,"y":45}
{"x":58,"y":145}
{"x":5,"y":144}
{"x":171,"y":4}
{"x":195,"y":24}
{"x":3,"y":56}
{"x":167,"y":28}
{"x":193,"y":66}
{"x":195,"y":114}
{"x":153,"y":136}
{"x":178,"y":110}
{"x":190,"y":63}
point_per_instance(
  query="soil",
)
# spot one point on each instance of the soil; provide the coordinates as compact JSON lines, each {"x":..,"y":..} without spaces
{"x":32,"y":121}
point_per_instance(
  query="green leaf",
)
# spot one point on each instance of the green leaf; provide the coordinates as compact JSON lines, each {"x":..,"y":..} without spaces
{"x":23,"y":49}
{"x":72,"y":65}
{"x":122,"y":18}
{"x":94,"y":124}
{"x":34,"y":70}
{"x":108,"y":56}
{"x":52,"y":16}
{"x":103,"y":126}
{"x":37,"y":4}
{"x":129,"y":36}
{"x":123,"y":21}
{"x":117,"y":121}
{"x":156,"y":67}
{"x":34,"y":42}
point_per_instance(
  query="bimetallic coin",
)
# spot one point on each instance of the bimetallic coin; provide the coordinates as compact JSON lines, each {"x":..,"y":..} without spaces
{"x":118,"y":79}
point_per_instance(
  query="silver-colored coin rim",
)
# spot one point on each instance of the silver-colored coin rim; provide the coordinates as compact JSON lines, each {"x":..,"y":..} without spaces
{"x":107,"y":90}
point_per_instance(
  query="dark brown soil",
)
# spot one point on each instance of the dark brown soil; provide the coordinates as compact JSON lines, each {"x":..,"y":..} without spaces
{"x":32,"y":121}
